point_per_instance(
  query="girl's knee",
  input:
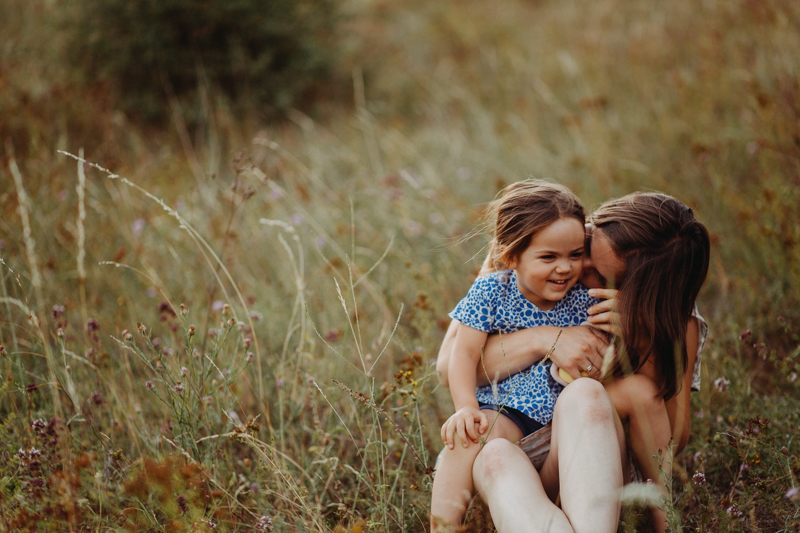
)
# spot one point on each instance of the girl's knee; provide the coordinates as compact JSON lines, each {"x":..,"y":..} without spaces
{"x":495,"y":460}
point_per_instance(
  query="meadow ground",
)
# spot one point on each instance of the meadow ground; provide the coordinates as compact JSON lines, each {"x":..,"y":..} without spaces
{"x":234,"y":327}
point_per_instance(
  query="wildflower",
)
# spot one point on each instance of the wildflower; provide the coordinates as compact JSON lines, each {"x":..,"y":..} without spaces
{"x":254,"y":487}
{"x":721,"y":384}
{"x":745,"y":335}
{"x":137,"y":227}
{"x":141,"y":328}
{"x":151,"y":292}
{"x":734,"y":511}
{"x":178,"y":388}
{"x":217,"y":306}
{"x":784,"y":450}
{"x":247,"y":341}
{"x":280,"y":382}
{"x":207,"y":400}
{"x":255,"y":316}
{"x":165,"y":308}
{"x":126,"y":335}
{"x":743,"y":467}
{"x":3,"y":350}
{"x":250,"y":357}
{"x":231,"y":322}
{"x":184,"y":311}
{"x":781,"y":320}
{"x":792,"y":376}
{"x":310,"y":379}
{"x":184,"y":371}
{"x":209,"y":523}
{"x":149,"y":385}
{"x":212,"y":333}
{"x":92,"y":325}
{"x":57,"y":311}
{"x":60,"y":333}
{"x":332,"y":335}
{"x":263,"y":524}
{"x":182,"y":503}
{"x":792,"y":493}
{"x":195,"y":352}
{"x":31,"y":388}
{"x":156,"y":341}
{"x":320,"y":241}
{"x":38,"y":424}
{"x":296,"y":219}
{"x":699,"y":478}
{"x":96,"y":398}
{"x":167,"y":351}
{"x":226,"y":309}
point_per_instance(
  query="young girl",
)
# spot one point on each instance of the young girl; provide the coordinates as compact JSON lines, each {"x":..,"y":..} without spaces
{"x":538,"y":231}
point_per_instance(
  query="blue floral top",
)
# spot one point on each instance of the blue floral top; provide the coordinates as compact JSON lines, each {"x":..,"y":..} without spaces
{"x":494,"y":304}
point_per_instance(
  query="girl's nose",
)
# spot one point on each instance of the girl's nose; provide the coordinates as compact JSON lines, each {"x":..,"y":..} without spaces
{"x":564,"y":266}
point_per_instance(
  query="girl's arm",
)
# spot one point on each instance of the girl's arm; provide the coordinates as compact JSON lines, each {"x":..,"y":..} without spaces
{"x":509,"y":354}
{"x":465,"y":357}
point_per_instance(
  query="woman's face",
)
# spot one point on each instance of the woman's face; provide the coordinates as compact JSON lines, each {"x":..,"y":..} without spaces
{"x":602,"y":268}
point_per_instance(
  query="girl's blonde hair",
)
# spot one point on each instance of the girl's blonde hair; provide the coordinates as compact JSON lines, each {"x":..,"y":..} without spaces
{"x":524,"y":208}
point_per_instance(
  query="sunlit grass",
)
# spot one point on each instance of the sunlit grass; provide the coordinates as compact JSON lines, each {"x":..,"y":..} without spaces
{"x":332,"y":238}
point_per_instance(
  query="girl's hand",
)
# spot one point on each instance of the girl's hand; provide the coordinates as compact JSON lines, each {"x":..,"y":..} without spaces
{"x":604,"y":315}
{"x":580,"y":349}
{"x":464,"y":422}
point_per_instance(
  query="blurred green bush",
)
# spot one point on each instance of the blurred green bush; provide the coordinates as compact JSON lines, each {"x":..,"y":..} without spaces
{"x":268,"y":52}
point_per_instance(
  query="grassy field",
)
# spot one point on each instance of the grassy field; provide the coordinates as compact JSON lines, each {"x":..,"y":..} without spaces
{"x":234,"y":326}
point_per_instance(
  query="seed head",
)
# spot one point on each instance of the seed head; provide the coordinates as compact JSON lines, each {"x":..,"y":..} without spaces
{"x":250,"y":357}
{"x":192,"y":330}
{"x":178,"y":388}
{"x":699,"y":478}
{"x":141,"y":328}
{"x":149,"y":385}
{"x":225,"y":309}
{"x":184,"y":371}
{"x":184,"y":311}
{"x":126,"y":335}
{"x":60,"y":333}
{"x":231,"y":322}
{"x":92,"y":325}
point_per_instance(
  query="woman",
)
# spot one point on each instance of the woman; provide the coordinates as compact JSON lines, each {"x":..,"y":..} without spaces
{"x":648,"y":256}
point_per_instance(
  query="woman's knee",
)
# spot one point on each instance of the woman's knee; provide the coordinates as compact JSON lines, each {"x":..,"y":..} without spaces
{"x":584,"y":399}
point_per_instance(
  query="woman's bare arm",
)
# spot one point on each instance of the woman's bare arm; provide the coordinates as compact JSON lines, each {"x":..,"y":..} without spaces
{"x":679,"y":406}
{"x":509,"y":354}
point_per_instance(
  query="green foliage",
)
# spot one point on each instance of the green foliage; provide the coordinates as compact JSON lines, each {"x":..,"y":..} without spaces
{"x":266,"y":51}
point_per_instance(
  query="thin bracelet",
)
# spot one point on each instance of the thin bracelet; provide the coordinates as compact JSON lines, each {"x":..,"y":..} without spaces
{"x":552,"y":348}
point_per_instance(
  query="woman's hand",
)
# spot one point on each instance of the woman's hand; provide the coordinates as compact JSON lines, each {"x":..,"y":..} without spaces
{"x":604,"y":315}
{"x":580,"y":349}
{"x":467,"y":422}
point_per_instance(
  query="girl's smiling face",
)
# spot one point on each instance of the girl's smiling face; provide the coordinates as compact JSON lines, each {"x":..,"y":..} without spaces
{"x":552,"y":263}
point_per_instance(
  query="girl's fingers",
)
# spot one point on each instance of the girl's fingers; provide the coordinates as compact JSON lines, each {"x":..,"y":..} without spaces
{"x":471,"y":433}
{"x":484,"y":423}
{"x":462,"y":433}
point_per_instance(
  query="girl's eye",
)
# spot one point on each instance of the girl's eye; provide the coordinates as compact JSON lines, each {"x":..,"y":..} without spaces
{"x":577,"y":255}
{"x":548,"y":257}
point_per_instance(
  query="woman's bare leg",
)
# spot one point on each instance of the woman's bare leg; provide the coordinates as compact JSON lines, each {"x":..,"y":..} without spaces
{"x":586,"y":458}
{"x":510,"y":486}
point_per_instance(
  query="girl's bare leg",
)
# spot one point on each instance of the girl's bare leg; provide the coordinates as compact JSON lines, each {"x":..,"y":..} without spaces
{"x":511,"y":487}
{"x":452,"y":485}
{"x":586,"y":459}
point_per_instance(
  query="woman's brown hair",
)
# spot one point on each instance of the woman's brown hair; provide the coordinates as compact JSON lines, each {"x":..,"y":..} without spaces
{"x":524,"y":208}
{"x":666,"y":254}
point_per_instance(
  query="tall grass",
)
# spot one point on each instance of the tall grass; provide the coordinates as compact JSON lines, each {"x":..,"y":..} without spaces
{"x":264,"y":260}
